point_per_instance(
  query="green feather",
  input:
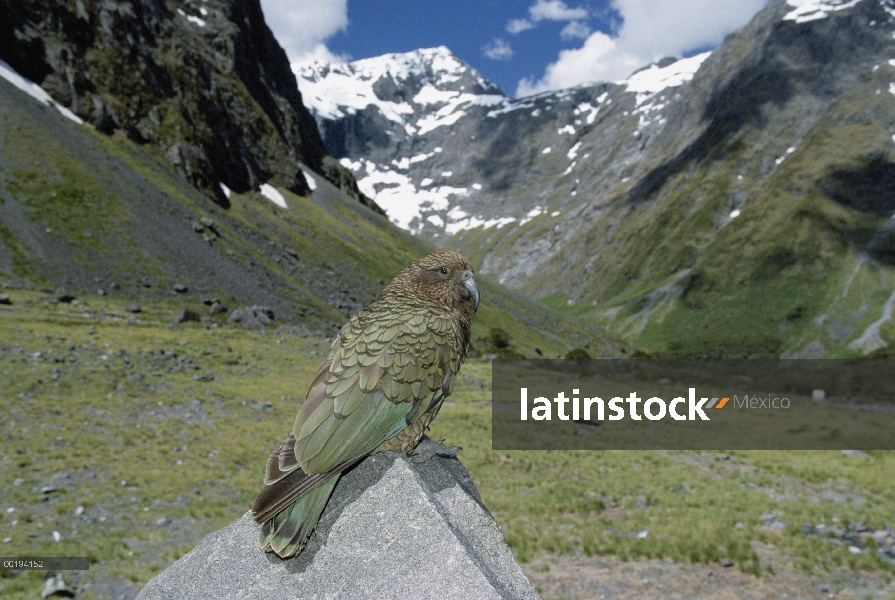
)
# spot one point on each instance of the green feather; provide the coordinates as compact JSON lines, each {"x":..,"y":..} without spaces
{"x":340,"y":386}
{"x":287,"y":533}
{"x":348,"y":402}
{"x":385,"y":361}
{"x":378,"y":418}
{"x":369,"y":377}
{"x":307,"y":448}
{"x":317,"y":417}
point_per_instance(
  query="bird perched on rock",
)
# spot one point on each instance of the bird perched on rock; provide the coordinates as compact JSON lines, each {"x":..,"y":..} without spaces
{"x":386,"y":376}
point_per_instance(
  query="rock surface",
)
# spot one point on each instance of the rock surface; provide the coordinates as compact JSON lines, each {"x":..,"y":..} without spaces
{"x":392,"y":529}
{"x":252,"y":317}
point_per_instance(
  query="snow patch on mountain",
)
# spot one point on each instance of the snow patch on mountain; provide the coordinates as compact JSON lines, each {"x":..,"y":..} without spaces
{"x":312,"y":183}
{"x":591,"y":109}
{"x":646,"y":83}
{"x":406,"y":204}
{"x":439,"y":119}
{"x":411,"y":207}
{"x":35,"y":91}
{"x":191,"y":18}
{"x":333,"y":91}
{"x":535,"y":212}
{"x":273,"y":194}
{"x":811,"y":10}
{"x":459,"y":221}
{"x":508,"y":106}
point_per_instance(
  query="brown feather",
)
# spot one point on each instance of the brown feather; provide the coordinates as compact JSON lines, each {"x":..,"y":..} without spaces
{"x":279,"y":464}
{"x":277,"y":496}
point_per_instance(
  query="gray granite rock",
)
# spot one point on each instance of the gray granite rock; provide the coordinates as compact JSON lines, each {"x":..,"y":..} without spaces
{"x":392,"y":529}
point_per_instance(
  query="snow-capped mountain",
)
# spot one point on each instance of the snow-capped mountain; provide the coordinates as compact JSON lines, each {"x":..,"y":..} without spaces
{"x":416,"y":129}
{"x":403,"y":87}
{"x":735,"y":203}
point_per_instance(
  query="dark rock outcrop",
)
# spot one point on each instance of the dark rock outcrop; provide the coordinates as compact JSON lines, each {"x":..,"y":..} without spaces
{"x":205,"y":81}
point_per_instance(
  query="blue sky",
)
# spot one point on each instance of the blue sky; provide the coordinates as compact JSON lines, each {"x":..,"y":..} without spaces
{"x":524,"y":46}
{"x":472,"y":29}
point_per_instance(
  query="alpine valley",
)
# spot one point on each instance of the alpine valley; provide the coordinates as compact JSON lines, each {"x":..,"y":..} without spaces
{"x":160,"y":152}
{"x":736,"y":203}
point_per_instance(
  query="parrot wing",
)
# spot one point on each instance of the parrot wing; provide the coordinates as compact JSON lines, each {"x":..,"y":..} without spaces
{"x":387,"y":367}
{"x":382,"y":374}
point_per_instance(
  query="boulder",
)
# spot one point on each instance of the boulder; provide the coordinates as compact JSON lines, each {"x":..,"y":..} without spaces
{"x":252,"y":317}
{"x":185,"y":315}
{"x":392,"y":529}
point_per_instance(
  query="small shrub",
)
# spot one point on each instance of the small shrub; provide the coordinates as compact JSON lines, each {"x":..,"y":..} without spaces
{"x":577,"y":354}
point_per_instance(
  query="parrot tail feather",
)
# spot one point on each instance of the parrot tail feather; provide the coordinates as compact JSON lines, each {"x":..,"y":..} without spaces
{"x":276,"y":496}
{"x":287,"y":532}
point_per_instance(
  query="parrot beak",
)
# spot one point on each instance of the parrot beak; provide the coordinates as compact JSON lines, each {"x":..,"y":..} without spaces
{"x":468,"y":280}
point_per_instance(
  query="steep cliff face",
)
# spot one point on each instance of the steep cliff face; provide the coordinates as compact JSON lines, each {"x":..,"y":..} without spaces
{"x":204,"y":80}
{"x":732,"y":203}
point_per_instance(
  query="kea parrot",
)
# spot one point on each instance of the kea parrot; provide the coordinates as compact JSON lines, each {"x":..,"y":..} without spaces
{"x":384,"y":380}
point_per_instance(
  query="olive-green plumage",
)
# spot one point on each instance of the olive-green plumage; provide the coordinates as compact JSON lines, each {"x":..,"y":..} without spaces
{"x":386,"y":376}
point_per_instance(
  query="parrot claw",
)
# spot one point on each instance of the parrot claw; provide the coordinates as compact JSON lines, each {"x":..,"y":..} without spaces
{"x":427,"y":449}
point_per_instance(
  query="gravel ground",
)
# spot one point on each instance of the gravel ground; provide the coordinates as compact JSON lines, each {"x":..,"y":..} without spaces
{"x":608,"y":578}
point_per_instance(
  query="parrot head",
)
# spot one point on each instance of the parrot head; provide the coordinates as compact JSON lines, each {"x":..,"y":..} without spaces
{"x":445,"y":277}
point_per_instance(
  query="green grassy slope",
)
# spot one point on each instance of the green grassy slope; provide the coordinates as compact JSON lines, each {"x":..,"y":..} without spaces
{"x":798,"y":272}
{"x":133,"y":439}
{"x":805,"y":268}
{"x":87,"y":211}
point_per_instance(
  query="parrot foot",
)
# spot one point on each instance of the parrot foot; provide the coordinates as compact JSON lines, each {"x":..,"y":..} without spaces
{"x":428,"y":449}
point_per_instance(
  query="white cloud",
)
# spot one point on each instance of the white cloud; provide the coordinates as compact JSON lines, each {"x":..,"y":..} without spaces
{"x":548,"y":10}
{"x":321,"y":53}
{"x":519,"y":25}
{"x":498,"y":49}
{"x":651,"y":29}
{"x":574,"y":29}
{"x":555,"y":10}
{"x":599,"y":59}
{"x":302,"y":26}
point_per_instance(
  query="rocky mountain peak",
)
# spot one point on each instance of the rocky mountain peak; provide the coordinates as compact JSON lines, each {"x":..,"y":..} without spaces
{"x":403,"y":80}
{"x":403,"y":89}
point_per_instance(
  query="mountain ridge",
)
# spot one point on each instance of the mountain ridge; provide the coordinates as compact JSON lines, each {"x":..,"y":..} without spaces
{"x":649,"y":209}
{"x":346,"y":110}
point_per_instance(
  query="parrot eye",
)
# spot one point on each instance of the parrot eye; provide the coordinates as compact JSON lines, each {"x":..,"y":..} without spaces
{"x":444,"y":270}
